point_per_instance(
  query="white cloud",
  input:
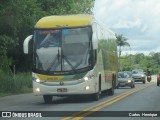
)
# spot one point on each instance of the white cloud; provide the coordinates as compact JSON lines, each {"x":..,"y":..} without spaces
{"x":138,"y":20}
{"x":144,"y":28}
{"x":127,"y":24}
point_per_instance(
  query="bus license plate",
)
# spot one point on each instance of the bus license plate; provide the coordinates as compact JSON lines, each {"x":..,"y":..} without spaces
{"x":62,"y":90}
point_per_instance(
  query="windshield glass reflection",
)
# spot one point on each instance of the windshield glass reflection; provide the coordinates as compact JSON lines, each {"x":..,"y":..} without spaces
{"x":62,"y":50}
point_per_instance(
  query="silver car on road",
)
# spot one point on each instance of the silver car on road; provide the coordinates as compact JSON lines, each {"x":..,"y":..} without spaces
{"x":125,"y":80}
{"x":139,"y":76}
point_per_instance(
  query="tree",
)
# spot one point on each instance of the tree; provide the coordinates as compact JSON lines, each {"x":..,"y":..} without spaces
{"x":138,"y":58}
{"x":61,"y":7}
{"x":17,"y":21}
{"x":156,"y":58}
{"x":142,"y":61}
{"x":121,"y":42}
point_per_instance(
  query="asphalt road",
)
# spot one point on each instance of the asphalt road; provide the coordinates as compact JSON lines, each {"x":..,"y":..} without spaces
{"x":141,"y":98}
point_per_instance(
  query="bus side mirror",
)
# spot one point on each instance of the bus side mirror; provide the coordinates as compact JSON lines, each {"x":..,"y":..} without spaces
{"x":26,"y":44}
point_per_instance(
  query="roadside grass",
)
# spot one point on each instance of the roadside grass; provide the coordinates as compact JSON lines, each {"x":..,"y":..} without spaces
{"x":10,"y":85}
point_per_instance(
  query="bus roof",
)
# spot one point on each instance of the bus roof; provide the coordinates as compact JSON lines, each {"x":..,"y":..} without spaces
{"x":64,"y":21}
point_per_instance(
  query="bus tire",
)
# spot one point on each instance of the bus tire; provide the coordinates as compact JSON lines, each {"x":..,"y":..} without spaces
{"x":96,"y":96}
{"x":47,"y":99}
{"x":111,"y":91}
{"x":114,"y":78}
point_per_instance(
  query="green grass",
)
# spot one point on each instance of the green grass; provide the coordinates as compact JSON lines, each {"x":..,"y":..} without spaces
{"x":21,"y":83}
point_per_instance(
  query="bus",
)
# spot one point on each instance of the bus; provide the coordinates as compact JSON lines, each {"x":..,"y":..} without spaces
{"x":72,"y":55}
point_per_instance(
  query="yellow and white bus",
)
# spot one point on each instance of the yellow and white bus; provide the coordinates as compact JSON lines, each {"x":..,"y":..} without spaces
{"x":73,"y":55}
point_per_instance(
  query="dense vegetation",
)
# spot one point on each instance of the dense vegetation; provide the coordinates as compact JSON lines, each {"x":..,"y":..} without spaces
{"x":149,"y":62}
{"x":141,"y":61}
{"x":17,"y":20}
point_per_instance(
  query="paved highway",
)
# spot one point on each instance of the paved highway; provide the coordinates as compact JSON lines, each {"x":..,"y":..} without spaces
{"x":141,"y":98}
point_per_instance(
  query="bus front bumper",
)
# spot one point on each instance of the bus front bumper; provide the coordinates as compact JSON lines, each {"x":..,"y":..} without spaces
{"x":64,"y":90}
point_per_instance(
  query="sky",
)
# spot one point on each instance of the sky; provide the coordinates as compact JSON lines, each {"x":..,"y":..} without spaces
{"x":137,"y":20}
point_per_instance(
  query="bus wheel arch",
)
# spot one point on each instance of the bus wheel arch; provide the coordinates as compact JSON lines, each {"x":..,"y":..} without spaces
{"x":96,"y":95}
{"x":115,"y":81}
{"x":111,"y":90}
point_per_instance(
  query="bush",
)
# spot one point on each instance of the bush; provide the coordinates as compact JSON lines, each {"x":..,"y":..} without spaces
{"x":17,"y":84}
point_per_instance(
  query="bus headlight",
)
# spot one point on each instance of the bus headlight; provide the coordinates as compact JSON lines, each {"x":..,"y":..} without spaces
{"x":87,"y":87}
{"x":129,"y":81}
{"x":37,"y":90}
{"x":85,"y":78}
{"x":38,"y":80}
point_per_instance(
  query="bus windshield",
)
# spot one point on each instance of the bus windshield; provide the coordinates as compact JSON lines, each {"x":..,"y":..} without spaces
{"x":62,"y":49}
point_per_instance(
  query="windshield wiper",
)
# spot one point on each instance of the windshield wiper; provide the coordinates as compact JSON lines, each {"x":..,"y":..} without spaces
{"x":53,"y":62}
{"x":63,"y":56}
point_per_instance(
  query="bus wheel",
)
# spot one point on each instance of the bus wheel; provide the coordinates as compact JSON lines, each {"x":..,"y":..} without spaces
{"x":47,"y":99}
{"x":96,"y":96}
{"x":111,"y":91}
